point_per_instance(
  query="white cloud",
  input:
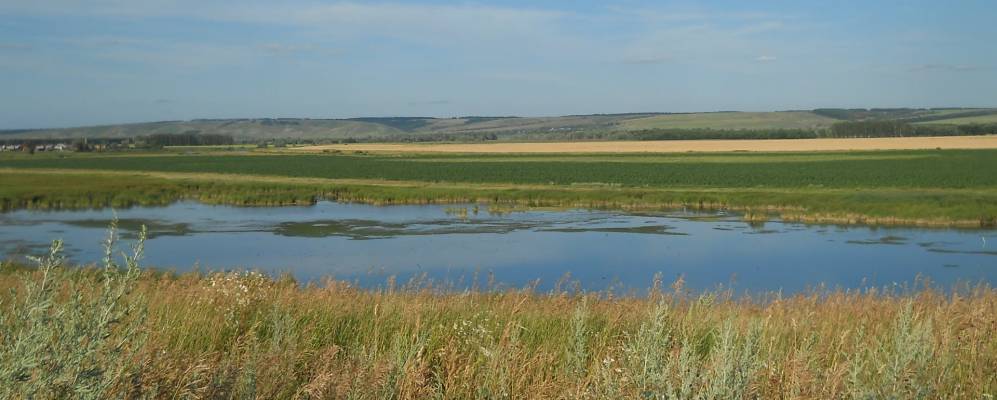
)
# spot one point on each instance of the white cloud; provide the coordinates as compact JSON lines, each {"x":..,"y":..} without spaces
{"x":652,"y":35}
{"x":764,"y":58}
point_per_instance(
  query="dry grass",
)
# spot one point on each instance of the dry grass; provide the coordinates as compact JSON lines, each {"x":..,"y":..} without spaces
{"x":244,"y":335}
{"x":674,"y":146}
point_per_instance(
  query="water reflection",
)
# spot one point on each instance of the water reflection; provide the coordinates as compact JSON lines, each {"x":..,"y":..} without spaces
{"x":598,"y":248}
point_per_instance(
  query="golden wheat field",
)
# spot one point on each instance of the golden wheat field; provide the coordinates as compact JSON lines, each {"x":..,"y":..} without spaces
{"x":672,"y":146}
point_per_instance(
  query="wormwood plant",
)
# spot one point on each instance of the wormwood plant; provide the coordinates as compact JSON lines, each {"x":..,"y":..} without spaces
{"x":66,"y":339}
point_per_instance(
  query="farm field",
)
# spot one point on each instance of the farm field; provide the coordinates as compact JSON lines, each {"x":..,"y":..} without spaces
{"x":979,"y":119}
{"x":933,"y":187}
{"x":731,"y":120}
{"x":663,"y":146}
{"x":497,"y":200}
{"x":913,"y":169}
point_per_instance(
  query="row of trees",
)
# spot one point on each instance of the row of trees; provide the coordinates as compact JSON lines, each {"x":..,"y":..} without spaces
{"x":845,"y":129}
{"x":189,"y":138}
{"x":902,"y":114}
{"x":898,"y":128}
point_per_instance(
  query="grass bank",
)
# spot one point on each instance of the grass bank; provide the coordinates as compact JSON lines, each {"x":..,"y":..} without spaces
{"x":931,"y":188}
{"x":120,"y":331}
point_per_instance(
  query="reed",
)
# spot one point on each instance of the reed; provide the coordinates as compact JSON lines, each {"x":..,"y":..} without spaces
{"x":67,"y":189}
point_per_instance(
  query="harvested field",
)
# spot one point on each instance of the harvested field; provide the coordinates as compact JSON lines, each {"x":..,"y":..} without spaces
{"x":671,"y":146}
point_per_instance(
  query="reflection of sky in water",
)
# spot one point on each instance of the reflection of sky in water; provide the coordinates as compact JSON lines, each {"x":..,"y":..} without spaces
{"x":368,"y":243}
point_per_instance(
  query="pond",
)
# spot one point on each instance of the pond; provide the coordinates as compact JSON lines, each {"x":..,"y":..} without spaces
{"x":467,"y":245}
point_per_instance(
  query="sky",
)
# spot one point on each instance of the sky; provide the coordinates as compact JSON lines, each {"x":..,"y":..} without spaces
{"x":75,"y":63}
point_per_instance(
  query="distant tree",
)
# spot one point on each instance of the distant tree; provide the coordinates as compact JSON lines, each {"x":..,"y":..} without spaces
{"x":80,"y":145}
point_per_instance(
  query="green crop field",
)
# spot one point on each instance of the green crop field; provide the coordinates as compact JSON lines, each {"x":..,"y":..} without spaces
{"x":979,"y":119}
{"x":911,"y":169}
{"x":951,"y":187}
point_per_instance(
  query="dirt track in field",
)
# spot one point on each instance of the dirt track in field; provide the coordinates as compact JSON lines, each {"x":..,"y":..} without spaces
{"x":672,"y":146}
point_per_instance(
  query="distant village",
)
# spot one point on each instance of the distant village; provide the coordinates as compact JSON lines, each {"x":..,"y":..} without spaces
{"x":112,"y":144}
{"x":38,"y":146}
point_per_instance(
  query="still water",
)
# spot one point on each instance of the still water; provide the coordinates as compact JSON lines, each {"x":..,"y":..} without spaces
{"x":599,"y":249}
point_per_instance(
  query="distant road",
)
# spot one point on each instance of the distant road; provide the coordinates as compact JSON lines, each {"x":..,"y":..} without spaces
{"x":672,"y":146}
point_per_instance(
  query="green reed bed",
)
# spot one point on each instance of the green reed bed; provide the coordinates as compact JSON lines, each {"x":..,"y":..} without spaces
{"x":58,"y":189}
{"x":118,"y":331}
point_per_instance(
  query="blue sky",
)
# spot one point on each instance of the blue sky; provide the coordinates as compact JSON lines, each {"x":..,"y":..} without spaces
{"x":71,"y":62}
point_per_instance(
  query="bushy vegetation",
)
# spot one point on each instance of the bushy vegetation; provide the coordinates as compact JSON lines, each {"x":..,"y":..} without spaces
{"x":894,"y":128}
{"x":66,"y":336}
{"x":189,"y":138}
{"x":117,"y":333}
{"x":901,"y":114}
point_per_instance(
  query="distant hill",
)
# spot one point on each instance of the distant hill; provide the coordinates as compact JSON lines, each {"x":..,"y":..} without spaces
{"x":241,"y":129}
{"x":534,"y":128}
{"x":911,"y":115}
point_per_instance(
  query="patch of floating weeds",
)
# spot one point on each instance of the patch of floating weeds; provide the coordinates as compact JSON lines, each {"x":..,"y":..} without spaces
{"x":979,"y":252}
{"x":652,"y":229}
{"x":892,"y":240}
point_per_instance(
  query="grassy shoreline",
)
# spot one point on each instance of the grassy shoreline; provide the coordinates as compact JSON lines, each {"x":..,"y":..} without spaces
{"x":75,"y":189}
{"x":239,"y":334}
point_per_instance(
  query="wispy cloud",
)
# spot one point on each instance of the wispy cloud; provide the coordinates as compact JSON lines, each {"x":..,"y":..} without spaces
{"x":14,"y":46}
{"x":287,"y":49}
{"x":694,"y":15}
{"x":764,"y":58}
{"x":107,"y":41}
{"x":428,"y":103}
{"x":648,"y":60}
{"x":391,"y":19}
{"x":184,"y":55}
{"x":950,"y":67}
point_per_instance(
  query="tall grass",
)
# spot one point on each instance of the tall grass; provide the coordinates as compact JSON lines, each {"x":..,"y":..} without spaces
{"x":62,"y":337}
{"x":119,"y":331}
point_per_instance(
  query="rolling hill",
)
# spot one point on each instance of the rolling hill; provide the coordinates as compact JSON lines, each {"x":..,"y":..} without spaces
{"x":532,"y":128}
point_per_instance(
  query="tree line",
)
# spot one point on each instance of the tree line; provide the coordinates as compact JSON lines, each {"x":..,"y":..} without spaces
{"x":189,"y":138}
{"x":899,"y":129}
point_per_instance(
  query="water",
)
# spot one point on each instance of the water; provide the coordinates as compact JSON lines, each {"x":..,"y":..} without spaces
{"x":599,"y":249}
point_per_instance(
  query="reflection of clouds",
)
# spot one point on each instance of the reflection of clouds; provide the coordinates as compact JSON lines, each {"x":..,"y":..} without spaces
{"x":316,"y":257}
{"x":520,"y":247}
{"x":486,"y":251}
